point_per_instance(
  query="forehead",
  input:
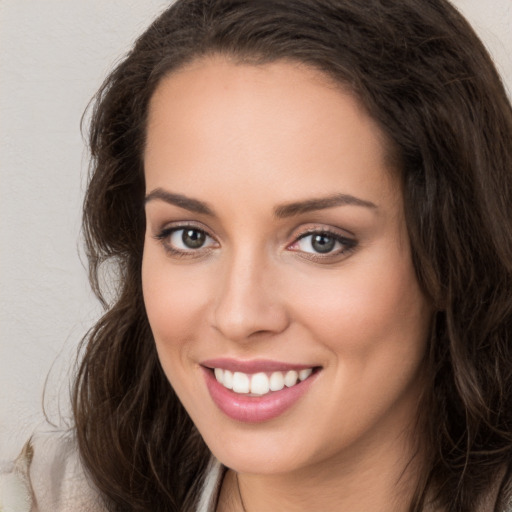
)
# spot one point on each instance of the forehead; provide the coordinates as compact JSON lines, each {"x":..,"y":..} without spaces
{"x":224,"y":123}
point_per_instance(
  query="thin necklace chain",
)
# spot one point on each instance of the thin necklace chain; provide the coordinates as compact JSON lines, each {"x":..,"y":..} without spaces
{"x":240,"y":493}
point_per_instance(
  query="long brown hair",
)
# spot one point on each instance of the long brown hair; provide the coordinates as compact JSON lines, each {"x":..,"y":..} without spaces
{"x":425,"y":77}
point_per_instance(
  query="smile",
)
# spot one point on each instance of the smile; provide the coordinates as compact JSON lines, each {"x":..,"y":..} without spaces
{"x":261,"y":383}
{"x":256,"y":391}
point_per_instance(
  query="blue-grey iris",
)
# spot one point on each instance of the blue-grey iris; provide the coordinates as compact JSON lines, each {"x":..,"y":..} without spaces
{"x":323,"y":243}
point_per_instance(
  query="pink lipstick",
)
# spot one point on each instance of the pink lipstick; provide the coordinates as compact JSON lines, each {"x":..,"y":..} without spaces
{"x":256,"y":391}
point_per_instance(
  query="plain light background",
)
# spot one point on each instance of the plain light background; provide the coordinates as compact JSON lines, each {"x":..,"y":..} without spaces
{"x":54,"y":54}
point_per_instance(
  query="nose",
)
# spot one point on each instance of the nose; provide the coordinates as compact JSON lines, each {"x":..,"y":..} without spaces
{"x":248,"y":303}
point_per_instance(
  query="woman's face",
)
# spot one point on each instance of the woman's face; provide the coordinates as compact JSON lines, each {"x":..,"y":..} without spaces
{"x":276,"y":250}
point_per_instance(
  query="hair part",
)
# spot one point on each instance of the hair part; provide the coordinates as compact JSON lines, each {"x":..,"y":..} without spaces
{"x":424,"y":76}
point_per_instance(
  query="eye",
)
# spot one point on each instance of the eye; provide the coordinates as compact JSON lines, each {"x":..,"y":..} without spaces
{"x":319,"y":242}
{"x":188,"y":238}
{"x":323,"y":244}
{"x":185,"y":240}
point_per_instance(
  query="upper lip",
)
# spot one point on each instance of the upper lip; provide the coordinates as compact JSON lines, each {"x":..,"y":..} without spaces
{"x":253,"y":366}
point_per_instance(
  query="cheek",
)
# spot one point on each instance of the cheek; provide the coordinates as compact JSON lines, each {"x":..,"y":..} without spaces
{"x":175,"y":298}
{"x":374,"y":324}
{"x":366,"y":308}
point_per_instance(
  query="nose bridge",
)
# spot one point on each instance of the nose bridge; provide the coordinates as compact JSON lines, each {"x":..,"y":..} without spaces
{"x":248,"y":299}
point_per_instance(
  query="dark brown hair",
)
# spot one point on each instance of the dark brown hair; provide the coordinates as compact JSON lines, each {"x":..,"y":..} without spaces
{"x":425,"y":77}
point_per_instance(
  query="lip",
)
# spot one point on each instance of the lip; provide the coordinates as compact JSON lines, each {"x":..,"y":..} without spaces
{"x":254,"y":409}
{"x":253,"y":366}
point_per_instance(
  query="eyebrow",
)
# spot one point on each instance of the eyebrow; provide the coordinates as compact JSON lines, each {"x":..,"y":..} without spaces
{"x":280,"y":212}
{"x":193,"y":205}
{"x":322,"y":203}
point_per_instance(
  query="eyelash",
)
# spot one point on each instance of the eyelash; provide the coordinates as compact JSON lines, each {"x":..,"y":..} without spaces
{"x":347,"y":244}
{"x":166,"y":233}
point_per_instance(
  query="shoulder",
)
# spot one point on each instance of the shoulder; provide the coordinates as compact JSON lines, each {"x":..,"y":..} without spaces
{"x":47,"y":476}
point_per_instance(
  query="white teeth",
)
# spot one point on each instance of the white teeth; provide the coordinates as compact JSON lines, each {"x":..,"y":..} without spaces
{"x":304,"y":374}
{"x":227,"y":379}
{"x":290,"y":379}
{"x":260,"y":383}
{"x":240,"y":382}
{"x":276,"y":381}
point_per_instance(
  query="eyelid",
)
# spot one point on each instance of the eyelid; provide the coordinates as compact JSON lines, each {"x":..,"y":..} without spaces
{"x":183,"y":224}
{"x":167,"y":230}
{"x":314,"y":228}
{"x":349,"y":242}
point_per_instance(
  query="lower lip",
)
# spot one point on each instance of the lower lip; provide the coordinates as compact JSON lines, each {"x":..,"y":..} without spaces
{"x":255,"y":409}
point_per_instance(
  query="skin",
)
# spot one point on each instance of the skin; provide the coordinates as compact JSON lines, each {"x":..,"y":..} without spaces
{"x":246,"y":140}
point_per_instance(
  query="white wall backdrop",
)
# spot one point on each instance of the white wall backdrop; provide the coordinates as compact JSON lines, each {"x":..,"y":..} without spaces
{"x":53,"y":56}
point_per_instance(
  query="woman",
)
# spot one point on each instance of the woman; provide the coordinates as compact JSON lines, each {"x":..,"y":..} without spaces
{"x":308,"y":205}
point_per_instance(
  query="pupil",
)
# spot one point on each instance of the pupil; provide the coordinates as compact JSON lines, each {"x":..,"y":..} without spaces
{"x":193,"y":238}
{"x":323,"y":243}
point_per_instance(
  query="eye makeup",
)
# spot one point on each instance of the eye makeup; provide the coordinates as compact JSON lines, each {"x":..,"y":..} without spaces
{"x":316,"y":243}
